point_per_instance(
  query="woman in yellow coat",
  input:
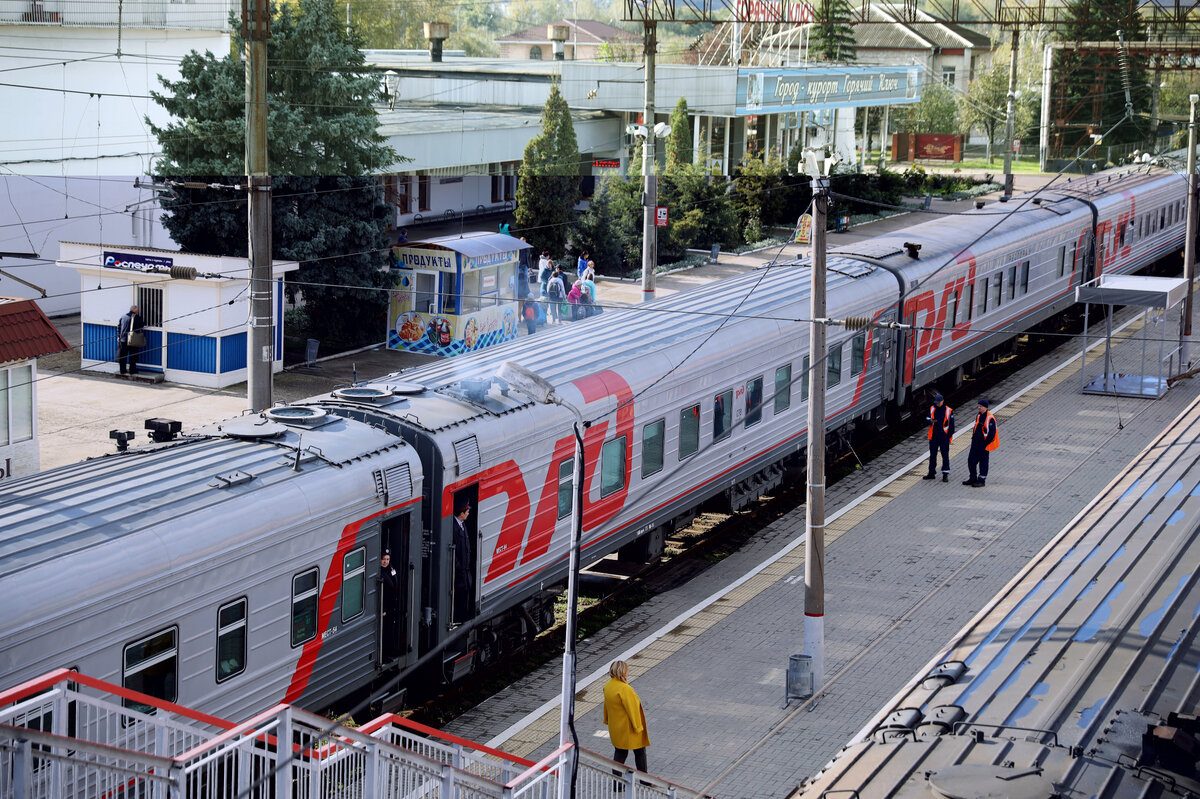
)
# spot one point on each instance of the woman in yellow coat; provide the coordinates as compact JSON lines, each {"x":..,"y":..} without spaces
{"x":624,"y":716}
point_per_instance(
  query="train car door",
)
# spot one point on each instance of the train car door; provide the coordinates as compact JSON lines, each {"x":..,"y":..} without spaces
{"x":400,"y":542}
{"x":887,"y":344}
{"x":464,"y":564}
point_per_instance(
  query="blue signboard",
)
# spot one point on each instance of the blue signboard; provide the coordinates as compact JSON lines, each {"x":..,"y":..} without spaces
{"x":124,"y":260}
{"x":773,"y":91}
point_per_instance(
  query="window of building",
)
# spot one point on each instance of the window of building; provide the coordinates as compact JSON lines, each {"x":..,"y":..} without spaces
{"x":231,"y":639}
{"x":400,"y":193}
{"x":833,"y":372}
{"x":689,"y":431}
{"x":566,"y":485}
{"x":783,"y":388}
{"x":423,"y":192}
{"x":304,"y":606}
{"x":612,"y":466}
{"x":16,"y":404}
{"x":497,"y":188}
{"x":947,"y":76}
{"x":151,"y":667}
{"x":653,"y":437}
{"x":354,"y":583}
{"x":754,"y":401}
{"x":150,"y":305}
{"x":858,"y":351}
{"x":535,"y":53}
{"x":722,"y":415}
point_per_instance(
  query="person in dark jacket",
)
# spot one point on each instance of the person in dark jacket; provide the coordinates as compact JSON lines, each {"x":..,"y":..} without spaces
{"x":984,"y":439}
{"x":941,"y":433}
{"x":389,"y":605}
{"x":127,"y":354}
{"x":464,"y":573}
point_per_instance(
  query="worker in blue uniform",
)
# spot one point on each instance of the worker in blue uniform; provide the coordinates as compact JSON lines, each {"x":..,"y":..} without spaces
{"x":941,"y":433}
{"x":984,"y":439}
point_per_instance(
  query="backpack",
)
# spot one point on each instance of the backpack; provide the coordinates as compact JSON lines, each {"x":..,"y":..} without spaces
{"x":554,"y":289}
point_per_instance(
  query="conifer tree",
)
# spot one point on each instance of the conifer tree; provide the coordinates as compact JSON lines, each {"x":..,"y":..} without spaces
{"x":548,"y":188}
{"x":832,"y":37}
{"x":679,"y":141}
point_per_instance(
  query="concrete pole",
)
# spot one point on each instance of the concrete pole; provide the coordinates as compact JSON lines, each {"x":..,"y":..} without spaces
{"x":567,"y":717}
{"x":814,"y":534}
{"x":650,"y":189}
{"x":1010,"y":124}
{"x":1189,"y":241}
{"x":1044,"y":123}
{"x":260,"y":357}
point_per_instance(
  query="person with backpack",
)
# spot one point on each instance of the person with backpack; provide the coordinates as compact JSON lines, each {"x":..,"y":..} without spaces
{"x":545,"y":271}
{"x":556,"y":292}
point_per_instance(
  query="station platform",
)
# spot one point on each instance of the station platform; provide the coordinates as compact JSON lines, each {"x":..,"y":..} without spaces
{"x":908,"y":564}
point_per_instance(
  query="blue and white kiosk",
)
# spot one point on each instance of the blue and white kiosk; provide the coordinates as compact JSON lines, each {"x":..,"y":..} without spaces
{"x":195,"y":308}
{"x":456,"y":294}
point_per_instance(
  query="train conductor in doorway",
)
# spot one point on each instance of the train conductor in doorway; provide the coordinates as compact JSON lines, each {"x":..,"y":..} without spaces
{"x":389,"y":606}
{"x":941,"y":433}
{"x":984,"y":439}
{"x":464,"y":574}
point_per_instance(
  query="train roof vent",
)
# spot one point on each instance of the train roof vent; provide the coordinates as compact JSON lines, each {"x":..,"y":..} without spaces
{"x":405,"y":388}
{"x":976,"y":781}
{"x":306,"y":415}
{"x":394,"y":483}
{"x":251,"y":427}
{"x":467,"y":453}
{"x":361,"y":393}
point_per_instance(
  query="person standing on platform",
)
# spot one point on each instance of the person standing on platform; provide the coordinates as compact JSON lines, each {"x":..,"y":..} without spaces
{"x":556,"y":293}
{"x":941,"y":433}
{"x":389,"y":605}
{"x":582,"y":263}
{"x":984,"y":439}
{"x":625,"y":717}
{"x":545,"y":270}
{"x":131,"y":337}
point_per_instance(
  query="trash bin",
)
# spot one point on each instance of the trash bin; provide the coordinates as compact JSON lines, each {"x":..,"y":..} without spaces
{"x":716,"y":252}
{"x":310,"y":351}
{"x":799,"y":678}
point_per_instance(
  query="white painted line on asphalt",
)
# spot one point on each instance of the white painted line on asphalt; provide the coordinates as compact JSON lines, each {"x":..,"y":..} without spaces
{"x":497,"y":741}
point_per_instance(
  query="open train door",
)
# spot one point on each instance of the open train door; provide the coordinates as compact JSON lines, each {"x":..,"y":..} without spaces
{"x":400,"y":539}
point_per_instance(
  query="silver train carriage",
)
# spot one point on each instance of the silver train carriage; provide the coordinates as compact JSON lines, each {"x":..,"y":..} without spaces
{"x":690,"y":398}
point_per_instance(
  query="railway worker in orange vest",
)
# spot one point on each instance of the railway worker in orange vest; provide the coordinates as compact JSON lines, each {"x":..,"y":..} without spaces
{"x":984,"y":439}
{"x":941,"y":433}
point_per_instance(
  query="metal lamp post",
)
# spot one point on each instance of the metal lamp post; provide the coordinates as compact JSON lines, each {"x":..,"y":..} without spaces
{"x":541,"y":391}
{"x":1189,"y":244}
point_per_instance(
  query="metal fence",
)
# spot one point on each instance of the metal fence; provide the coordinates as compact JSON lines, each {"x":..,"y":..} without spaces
{"x":67,"y":735}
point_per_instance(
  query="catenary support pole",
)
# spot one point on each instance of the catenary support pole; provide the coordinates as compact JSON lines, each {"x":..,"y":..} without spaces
{"x":1010,"y":122}
{"x":567,"y":717}
{"x":256,"y":28}
{"x":1189,"y":242}
{"x":650,"y":187}
{"x":814,"y":535}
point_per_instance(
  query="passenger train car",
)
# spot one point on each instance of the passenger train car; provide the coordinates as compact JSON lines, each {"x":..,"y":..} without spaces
{"x":235,"y":566}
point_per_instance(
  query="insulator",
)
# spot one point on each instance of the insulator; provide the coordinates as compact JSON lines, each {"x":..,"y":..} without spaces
{"x":857,"y":322}
{"x":183,"y":272}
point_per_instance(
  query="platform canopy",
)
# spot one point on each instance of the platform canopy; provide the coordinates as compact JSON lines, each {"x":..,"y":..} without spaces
{"x":1148,"y":292}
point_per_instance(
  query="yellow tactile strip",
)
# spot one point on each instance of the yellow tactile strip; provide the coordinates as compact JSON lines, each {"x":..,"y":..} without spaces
{"x":535,"y":735}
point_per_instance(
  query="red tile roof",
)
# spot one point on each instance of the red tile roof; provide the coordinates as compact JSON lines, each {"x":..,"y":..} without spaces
{"x":25,"y":332}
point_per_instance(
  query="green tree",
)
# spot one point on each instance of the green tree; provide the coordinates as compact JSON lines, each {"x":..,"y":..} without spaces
{"x":936,"y":112}
{"x":323,"y":140}
{"x":985,"y":104}
{"x":1089,"y":86}
{"x":702,"y":212}
{"x":548,"y":187}
{"x":832,"y":37}
{"x":761,"y":196}
{"x":679,"y":140}
{"x":611,"y":227}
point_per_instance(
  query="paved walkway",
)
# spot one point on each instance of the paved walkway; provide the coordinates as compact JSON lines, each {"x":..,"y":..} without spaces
{"x":908,"y":563}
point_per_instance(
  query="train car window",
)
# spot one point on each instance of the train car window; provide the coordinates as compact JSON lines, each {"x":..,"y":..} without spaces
{"x":783,"y":388}
{"x":1012,"y":282}
{"x":1023,"y":275}
{"x":653,"y":437}
{"x":722,"y":415}
{"x":833,"y":360}
{"x":612,"y":466}
{"x":969,"y":305}
{"x":951,"y":314}
{"x":1062,"y":261}
{"x":689,"y":431}
{"x":858,"y":350}
{"x":997,"y":289}
{"x":805,"y":369}
{"x":304,"y":606}
{"x":354,"y":584}
{"x":151,"y":666}
{"x":983,"y":295}
{"x":231,"y":639}
{"x":566,"y":481}
{"x":754,"y":401}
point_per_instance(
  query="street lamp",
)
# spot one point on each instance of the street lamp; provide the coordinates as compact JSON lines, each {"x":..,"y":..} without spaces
{"x":542,"y":392}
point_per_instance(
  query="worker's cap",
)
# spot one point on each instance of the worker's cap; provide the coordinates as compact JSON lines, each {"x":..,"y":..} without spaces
{"x":938,"y":398}
{"x":387,"y":551}
{"x":984,"y":402}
